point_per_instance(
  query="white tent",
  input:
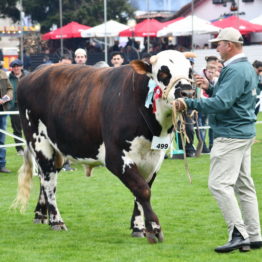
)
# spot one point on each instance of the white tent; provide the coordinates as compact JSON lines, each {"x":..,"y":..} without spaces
{"x":185,"y":26}
{"x":110,"y":29}
{"x":257,"y":20}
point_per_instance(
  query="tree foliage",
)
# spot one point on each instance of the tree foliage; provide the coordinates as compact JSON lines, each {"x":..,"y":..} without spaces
{"x":88,"y":12}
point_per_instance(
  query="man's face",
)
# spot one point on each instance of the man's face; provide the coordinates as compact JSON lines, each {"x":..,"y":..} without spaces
{"x":223,"y":47}
{"x":17,"y":70}
{"x":210,"y":74}
{"x":259,"y":70}
{"x":80,"y":59}
{"x":117,"y":60}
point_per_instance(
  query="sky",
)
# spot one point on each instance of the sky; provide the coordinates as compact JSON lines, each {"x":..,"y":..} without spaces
{"x":169,"y":5}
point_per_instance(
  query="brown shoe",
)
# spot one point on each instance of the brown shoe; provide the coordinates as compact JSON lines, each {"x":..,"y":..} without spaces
{"x":4,"y":170}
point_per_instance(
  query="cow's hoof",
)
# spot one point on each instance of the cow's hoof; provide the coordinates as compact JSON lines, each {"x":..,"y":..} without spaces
{"x":138,"y":234}
{"x":160,"y":236}
{"x":59,"y":227}
{"x":41,"y":221}
{"x":154,"y":238}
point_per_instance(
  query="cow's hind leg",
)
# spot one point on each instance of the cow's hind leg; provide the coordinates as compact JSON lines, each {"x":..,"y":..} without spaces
{"x":49,"y":163}
{"x":138,"y":219}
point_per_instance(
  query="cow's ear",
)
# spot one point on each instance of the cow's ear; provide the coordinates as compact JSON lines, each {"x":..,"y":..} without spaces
{"x":189,"y":54}
{"x":141,"y":67}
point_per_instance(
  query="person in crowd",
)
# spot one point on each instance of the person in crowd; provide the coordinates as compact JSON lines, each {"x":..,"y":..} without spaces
{"x":220,"y":66}
{"x":115,"y":47}
{"x":232,"y":109}
{"x":66,"y":59}
{"x":211,"y":59}
{"x":210,"y":74}
{"x":80,"y":56}
{"x":16,"y":74}
{"x":117,"y":59}
{"x":258,"y":68}
{"x":27,"y":61}
{"x":46,"y":60}
{"x":6,"y":94}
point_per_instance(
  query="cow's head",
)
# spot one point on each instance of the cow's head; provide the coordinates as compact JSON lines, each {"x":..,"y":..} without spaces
{"x":172,"y":72}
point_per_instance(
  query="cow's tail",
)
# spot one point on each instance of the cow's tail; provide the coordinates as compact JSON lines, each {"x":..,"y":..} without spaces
{"x":25,"y":175}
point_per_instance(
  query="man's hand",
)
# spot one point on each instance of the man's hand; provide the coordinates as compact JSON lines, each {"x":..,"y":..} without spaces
{"x":180,"y":105}
{"x":201,"y":82}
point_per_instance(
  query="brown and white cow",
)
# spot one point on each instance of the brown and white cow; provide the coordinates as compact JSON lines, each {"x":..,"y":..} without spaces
{"x":98,"y":116}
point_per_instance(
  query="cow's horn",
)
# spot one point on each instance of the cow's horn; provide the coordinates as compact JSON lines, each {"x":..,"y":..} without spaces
{"x":153,"y":59}
{"x":189,"y":54}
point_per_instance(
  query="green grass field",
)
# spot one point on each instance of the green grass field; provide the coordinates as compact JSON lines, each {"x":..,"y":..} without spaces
{"x":97,"y":212}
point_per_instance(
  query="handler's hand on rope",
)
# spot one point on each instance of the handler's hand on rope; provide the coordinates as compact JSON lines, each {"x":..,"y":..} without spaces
{"x":180,"y":105}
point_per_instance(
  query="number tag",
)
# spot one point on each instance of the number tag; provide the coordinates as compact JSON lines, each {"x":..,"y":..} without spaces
{"x":160,"y":143}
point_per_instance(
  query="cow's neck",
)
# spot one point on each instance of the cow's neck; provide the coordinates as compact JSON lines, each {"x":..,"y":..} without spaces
{"x":163,"y":116}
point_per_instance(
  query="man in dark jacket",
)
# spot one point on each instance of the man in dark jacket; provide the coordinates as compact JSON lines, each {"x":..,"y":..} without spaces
{"x":6,"y":94}
{"x":16,"y":74}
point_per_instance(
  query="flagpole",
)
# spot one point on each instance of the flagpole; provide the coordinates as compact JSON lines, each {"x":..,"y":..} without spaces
{"x":192,"y":15}
{"x":105,"y":20}
{"x":61,"y":30}
{"x":148,"y":40}
{"x":22,"y":32}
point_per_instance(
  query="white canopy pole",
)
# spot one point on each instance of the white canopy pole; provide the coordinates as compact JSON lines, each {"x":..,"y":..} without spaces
{"x":192,"y":14}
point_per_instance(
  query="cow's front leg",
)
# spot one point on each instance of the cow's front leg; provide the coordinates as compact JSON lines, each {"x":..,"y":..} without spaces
{"x":41,"y":209}
{"x":141,"y":190}
{"x":138,"y":219}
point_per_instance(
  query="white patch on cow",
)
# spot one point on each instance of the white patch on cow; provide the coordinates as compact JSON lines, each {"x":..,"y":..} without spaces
{"x":163,"y":115}
{"x":27,"y":116}
{"x":42,"y":143}
{"x":148,"y":161}
{"x":155,"y":225}
{"x":139,"y":220}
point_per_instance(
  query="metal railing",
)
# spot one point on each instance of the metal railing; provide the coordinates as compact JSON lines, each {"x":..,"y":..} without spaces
{"x":9,"y":134}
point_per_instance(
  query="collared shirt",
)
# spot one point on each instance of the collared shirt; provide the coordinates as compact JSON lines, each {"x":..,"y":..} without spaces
{"x":229,"y":61}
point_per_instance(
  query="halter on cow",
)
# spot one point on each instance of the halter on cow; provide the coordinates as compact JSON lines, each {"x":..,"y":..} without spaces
{"x":98,"y":116}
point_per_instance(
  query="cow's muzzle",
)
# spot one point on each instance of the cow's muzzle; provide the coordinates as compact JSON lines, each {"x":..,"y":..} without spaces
{"x":179,"y":87}
{"x":187,"y":91}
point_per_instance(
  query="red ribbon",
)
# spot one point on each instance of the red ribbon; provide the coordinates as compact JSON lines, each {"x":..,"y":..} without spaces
{"x":157,"y":95}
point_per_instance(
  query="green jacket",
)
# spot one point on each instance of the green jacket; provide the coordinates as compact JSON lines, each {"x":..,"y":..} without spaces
{"x":14,"y":81}
{"x":231,"y":107}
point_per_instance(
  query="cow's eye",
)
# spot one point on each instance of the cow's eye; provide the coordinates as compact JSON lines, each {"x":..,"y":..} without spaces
{"x":163,"y":75}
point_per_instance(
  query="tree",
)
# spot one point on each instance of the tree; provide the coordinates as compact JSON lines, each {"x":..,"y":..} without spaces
{"x":8,"y":9}
{"x":88,"y":12}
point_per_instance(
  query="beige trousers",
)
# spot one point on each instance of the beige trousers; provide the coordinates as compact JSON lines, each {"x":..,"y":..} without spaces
{"x":232,"y":186}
